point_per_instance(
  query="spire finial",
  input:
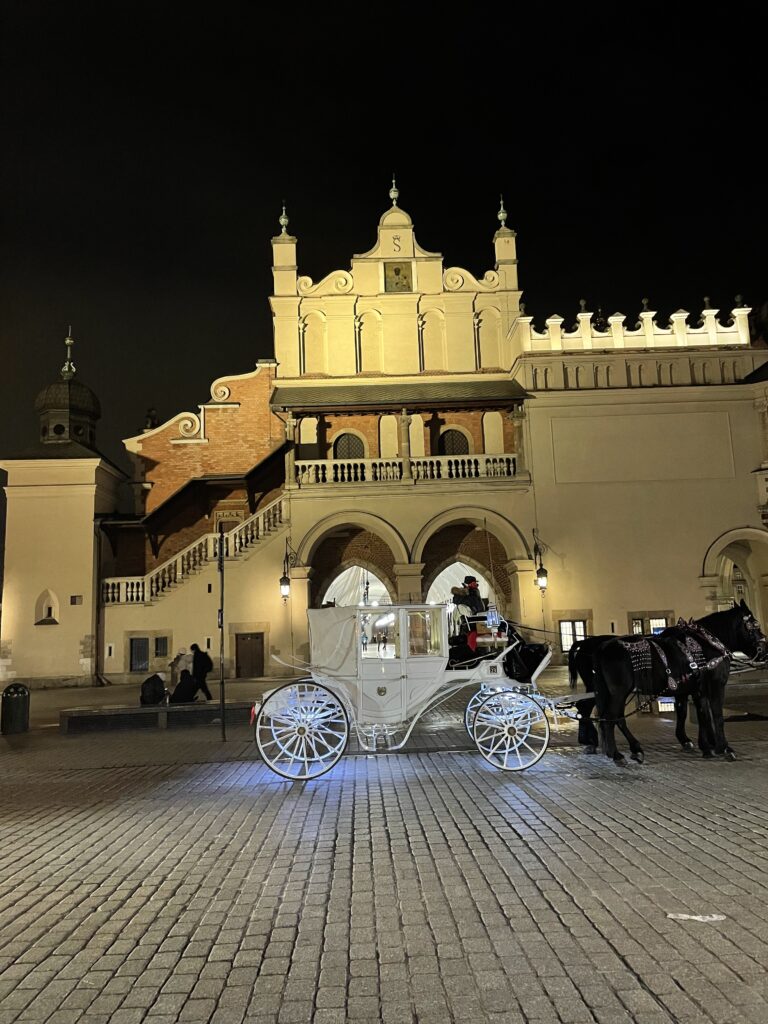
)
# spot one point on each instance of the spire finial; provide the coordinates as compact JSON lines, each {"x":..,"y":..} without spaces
{"x":393,"y":192}
{"x":68,"y":369}
{"x":283,"y":221}
{"x":502,"y":214}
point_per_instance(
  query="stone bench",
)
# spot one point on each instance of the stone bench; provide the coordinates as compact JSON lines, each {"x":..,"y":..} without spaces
{"x":157,"y":716}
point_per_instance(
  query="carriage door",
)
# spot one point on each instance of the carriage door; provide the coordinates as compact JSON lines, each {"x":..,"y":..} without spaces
{"x":426,"y":652}
{"x":382,"y":694}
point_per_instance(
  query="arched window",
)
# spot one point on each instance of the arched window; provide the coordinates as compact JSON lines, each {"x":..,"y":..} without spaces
{"x":348,"y":446}
{"x":47,"y":609}
{"x":453,"y":442}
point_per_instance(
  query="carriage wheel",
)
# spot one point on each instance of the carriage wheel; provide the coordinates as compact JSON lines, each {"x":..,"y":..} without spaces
{"x":474,"y":703}
{"x":511,"y":731}
{"x":301,"y":731}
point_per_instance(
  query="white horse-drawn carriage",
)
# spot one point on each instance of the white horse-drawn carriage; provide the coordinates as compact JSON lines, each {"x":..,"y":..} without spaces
{"x":378,"y":670}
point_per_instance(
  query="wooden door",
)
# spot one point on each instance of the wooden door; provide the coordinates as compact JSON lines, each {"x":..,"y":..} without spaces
{"x":249,"y":655}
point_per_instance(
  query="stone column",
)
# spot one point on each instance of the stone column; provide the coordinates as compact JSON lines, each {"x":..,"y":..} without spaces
{"x":404,"y":422}
{"x":761,"y":404}
{"x":290,"y":455}
{"x":525,"y":604}
{"x":409,"y":582}
{"x":297,"y":604}
{"x":518,"y":422}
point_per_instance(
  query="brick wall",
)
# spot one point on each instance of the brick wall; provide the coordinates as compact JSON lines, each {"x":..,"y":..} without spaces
{"x":358,"y":547}
{"x":461,"y":542}
{"x":237,"y":439}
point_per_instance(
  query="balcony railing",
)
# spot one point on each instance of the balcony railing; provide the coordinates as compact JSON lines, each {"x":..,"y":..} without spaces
{"x":313,"y":472}
{"x":143,"y":589}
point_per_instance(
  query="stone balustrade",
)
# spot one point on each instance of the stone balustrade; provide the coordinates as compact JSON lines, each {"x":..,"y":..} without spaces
{"x":322,"y":472}
{"x":710,"y":332}
{"x":145,"y":589}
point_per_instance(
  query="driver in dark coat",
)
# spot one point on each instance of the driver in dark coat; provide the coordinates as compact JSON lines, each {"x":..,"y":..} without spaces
{"x":469,"y":595}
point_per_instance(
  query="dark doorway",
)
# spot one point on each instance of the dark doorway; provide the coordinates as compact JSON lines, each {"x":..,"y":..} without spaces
{"x":249,"y":655}
{"x":139,"y":654}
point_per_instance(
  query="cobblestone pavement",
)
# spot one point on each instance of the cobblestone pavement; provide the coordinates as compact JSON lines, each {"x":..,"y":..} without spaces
{"x":170,"y":877}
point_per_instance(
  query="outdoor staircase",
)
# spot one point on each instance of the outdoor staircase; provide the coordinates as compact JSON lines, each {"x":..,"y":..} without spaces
{"x":237,"y":543}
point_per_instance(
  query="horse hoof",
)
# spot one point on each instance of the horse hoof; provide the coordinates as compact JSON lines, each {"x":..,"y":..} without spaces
{"x":590,"y":749}
{"x":638,"y":756}
{"x":707,"y":755}
{"x":619,"y":759}
{"x":688,"y":745}
{"x":730,"y":755}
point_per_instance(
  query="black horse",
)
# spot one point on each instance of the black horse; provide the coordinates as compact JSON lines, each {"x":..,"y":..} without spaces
{"x":691,"y":659}
{"x":580,"y":666}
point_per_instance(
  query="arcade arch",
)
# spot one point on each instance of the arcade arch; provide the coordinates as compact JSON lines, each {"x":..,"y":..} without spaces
{"x":735,"y":567}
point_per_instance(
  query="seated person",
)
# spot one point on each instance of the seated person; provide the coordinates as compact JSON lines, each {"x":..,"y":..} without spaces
{"x":153,"y":690}
{"x":186,"y":689}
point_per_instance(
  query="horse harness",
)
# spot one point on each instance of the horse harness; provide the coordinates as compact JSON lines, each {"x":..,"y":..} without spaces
{"x":640,"y":656}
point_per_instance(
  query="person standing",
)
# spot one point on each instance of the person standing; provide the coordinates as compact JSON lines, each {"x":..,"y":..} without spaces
{"x":182,"y":662}
{"x":201,"y":666}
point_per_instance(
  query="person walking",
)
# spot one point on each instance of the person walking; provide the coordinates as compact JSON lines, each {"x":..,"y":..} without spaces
{"x":201,"y":666}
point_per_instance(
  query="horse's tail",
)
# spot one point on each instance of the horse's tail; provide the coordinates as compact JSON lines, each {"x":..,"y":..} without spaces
{"x":572,"y":673}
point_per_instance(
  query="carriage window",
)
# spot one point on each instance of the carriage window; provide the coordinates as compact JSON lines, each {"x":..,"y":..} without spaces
{"x":452,"y":442}
{"x":380,"y":634}
{"x":571,"y":630}
{"x":424,"y":633}
{"x":348,"y":446}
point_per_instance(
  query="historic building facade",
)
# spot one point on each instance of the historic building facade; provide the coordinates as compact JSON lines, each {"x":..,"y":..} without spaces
{"x":412,"y":418}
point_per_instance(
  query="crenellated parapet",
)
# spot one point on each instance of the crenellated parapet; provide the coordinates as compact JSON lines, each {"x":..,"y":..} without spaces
{"x":587,"y":335}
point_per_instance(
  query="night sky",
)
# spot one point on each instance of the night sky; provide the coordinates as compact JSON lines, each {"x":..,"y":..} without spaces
{"x":145,"y":155}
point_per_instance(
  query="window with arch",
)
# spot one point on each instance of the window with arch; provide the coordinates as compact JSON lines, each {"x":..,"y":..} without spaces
{"x":47,"y":609}
{"x":453,"y":442}
{"x":348,"y":446}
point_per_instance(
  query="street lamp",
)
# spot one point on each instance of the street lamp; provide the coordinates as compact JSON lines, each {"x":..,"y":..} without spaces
{"x":289,"y":559}
{"x":541,"y":578}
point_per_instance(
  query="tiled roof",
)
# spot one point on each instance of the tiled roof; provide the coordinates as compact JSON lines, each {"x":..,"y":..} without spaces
{"x":397,"y":394}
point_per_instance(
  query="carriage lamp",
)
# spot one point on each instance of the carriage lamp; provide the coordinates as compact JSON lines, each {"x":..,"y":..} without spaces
{"x":289,"y":559}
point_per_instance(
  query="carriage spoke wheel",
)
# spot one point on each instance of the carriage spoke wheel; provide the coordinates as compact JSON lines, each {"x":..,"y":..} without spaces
{"x":511,"y":731}
{"x":301,"y":731}
{"x":473,"y":704}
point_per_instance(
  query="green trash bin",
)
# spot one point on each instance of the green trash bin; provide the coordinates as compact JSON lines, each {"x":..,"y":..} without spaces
{"x":14,"y":714}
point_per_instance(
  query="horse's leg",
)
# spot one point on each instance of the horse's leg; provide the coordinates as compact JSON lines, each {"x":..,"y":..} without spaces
{"x":587,"y":732}
{"x":706,"y":730}
{"x":681,"y":714}
{"x":717,"y":695}
{"x":636,"y":751}
{"x":614,"y":712}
